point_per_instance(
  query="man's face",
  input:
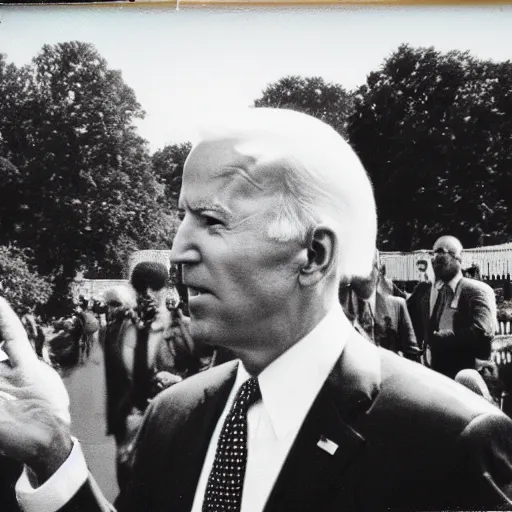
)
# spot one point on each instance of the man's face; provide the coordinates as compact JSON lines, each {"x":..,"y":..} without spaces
{"x":240,"y":283}
{"x":154,"y":297}
{"x":364,"y":287}
{"x":422,"y":267}
{"x":445,"y":260}
{"x":113,"y":307}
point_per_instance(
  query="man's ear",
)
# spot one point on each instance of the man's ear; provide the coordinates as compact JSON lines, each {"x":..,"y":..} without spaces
{"x":321,"y":248}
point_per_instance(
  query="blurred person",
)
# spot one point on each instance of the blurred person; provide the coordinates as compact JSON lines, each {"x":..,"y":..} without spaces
{"x":455,"y":317}
{"x":386,"y":285}
{"x":379,"y":315}
{"x":118,"y":301}
{"x":422,"y":266}
{"x":425,"y":270}
{"x":137,"y":324}
{"x":277,"y":210}
{"x":147,"y":349}
{"x":35,"y":335}
{"x":73,"y":336}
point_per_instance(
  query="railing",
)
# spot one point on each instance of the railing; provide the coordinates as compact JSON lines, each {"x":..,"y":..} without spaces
{"x":501,"y":355}
{"x":504,"y":327}
{"x":502,"y":349}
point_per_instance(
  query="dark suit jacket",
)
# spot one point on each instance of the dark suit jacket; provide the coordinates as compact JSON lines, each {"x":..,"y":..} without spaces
{"x":474,"y":324}
{"x":10,"y":471}
{"x":393,"y":327}
{"x":409,"y":439}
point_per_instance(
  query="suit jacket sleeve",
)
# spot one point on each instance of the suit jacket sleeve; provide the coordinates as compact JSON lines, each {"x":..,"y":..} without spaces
{"x":420,"y":294}
{"x":478,"y":332}
{"x":131,"y":499}
{"x":408,"y":344}
{"x":486,"y":462}
{"x":88,"y":499}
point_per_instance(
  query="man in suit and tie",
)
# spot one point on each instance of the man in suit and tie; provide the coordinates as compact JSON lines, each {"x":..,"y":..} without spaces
{"x":379,"y":315}
{"x":455,"y":317}
{"x":277,"y":210}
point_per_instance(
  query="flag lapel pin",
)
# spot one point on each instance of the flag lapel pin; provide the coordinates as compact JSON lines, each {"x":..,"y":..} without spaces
{"x":327,"y":445}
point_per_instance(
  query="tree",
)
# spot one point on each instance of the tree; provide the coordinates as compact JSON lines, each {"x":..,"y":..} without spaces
{"x":14,"y":108}
{"x":168,"y":167}
{"x":326,"y":101}
{"x":20,"y":284}
{"x":434,"y":132}
{"x":89,"y":191}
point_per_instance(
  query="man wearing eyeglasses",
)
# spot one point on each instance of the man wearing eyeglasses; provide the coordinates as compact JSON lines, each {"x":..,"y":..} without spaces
{"x":453,"y":318}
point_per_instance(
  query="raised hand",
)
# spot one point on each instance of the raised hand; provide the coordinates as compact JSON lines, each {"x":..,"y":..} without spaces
{"x":34,"y":404}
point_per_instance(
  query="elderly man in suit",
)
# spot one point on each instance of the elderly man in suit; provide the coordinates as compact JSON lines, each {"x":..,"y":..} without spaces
{"x":379,"y":315}
{"x":276,"y":211}
{"x":455,"y":317}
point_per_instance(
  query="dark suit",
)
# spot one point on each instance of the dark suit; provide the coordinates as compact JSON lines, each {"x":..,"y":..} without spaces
{"x":474,"y":323}
{"x":392,"y":325}
{"x":10,"y":470}
{"x":409,"y":439}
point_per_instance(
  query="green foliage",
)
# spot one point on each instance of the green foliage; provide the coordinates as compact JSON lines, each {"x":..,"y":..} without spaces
{"x":326,"y":101}
{"x":168,"y":167}
{"x":87,"y":193}
{"x":20,"y":284}
{"x":434,"y":132}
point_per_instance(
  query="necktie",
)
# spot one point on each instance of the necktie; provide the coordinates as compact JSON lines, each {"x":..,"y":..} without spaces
{"x":366,"y":320}
{"x":141,"y":372}
{"x":226,"y":480}
{"x":441,"y":301}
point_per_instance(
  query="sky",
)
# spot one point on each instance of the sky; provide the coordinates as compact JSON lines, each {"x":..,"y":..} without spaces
{"x":187,"y":63}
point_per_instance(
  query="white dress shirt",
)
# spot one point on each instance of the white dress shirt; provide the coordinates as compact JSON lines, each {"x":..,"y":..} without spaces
{"x":58,"y":489}
{"x":288,"y":386}
{"x":434,"y":291}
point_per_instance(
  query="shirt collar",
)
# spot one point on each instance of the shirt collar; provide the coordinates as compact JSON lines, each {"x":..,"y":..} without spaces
{"x":372,"y":300}
{"x":452,"y":283}
{"x":296,"y":377}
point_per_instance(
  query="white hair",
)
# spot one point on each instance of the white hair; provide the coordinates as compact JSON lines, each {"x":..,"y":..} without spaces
{"x":125,"y":295}
{"x":323,"y":180}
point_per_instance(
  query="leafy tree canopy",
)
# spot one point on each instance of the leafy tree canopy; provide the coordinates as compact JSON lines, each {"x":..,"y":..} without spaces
{"x":20,"y":284}
{"x":88,"y":191}
{"x":168,"y":167}
{"x":434,"y":132}
{"x":314,"y":96}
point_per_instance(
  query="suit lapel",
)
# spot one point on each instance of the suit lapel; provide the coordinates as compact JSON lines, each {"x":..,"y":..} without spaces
{"x":381,"y":309}
{"x":425,"y":310}
{"x":314,"y":475}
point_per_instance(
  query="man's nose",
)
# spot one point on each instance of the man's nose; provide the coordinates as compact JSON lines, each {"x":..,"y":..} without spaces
{"x":184,"y":246}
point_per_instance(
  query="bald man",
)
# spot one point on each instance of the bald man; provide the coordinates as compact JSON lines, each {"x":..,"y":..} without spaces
{"x":455,"y":317}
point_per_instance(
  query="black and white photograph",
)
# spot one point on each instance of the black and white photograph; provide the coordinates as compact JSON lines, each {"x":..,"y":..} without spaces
{"x":255,"y":258}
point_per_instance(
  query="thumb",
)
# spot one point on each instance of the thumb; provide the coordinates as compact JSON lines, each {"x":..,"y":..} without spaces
{"x":16,"y":346}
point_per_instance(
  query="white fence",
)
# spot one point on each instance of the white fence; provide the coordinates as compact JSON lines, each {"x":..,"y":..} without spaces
{"x":493,"y":260}
{"x":93,"y":288}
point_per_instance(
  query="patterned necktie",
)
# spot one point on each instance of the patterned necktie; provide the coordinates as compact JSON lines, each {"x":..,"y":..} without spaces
{"x":226,"y":480}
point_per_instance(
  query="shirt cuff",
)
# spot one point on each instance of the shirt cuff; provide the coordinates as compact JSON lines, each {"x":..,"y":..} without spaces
{"x":58,"y":489}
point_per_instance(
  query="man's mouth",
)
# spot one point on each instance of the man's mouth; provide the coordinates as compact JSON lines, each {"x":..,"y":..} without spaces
{"x":195,"y":292}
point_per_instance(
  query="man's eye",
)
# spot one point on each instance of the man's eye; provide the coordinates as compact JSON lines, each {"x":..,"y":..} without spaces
{"x":211,"y":221}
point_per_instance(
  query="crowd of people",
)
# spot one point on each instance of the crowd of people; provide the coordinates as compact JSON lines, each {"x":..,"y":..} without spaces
{"x":293,"y":375}
{"x":447,"y":323}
